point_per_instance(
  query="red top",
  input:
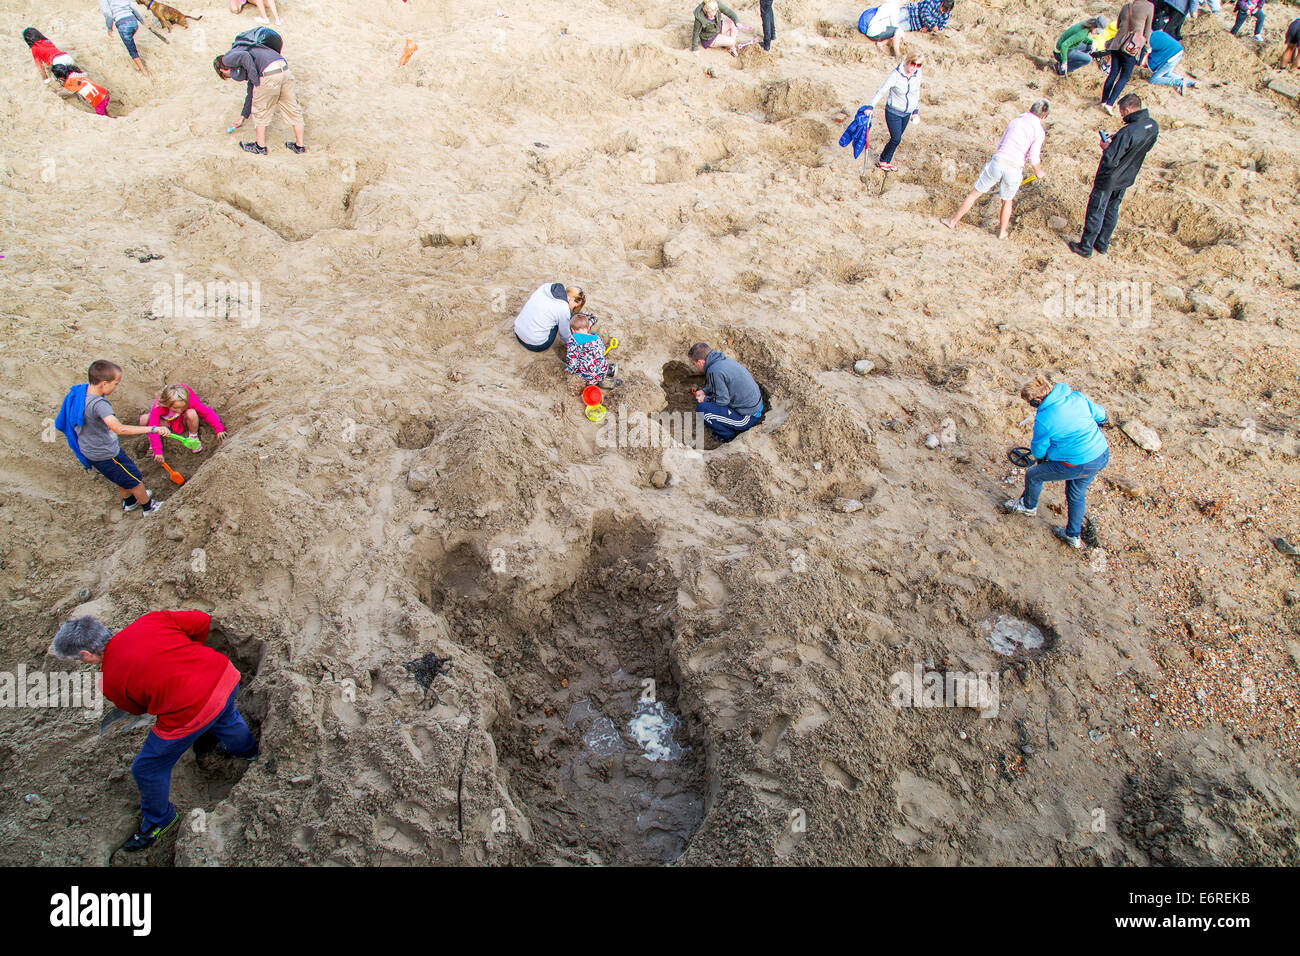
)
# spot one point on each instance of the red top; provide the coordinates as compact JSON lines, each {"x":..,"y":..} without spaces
{"x":160,"y":665}
{"x":43,"y":51}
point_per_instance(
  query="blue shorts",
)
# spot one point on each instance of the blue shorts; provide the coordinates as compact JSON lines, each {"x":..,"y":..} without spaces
{"x":120,"y":470}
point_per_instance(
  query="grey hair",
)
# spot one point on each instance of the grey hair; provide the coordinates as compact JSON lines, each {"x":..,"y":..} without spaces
{"x":1040,"y":108}
{"x":80,"y":634}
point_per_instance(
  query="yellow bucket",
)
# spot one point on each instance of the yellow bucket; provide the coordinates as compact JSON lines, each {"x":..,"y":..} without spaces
{"x":596,"y":413}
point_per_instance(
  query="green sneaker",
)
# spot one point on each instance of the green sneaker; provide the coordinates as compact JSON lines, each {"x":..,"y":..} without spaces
{"x":143,"y":839}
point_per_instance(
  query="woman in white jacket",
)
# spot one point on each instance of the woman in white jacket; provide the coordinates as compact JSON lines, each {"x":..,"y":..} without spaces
{"x":903,"y":88}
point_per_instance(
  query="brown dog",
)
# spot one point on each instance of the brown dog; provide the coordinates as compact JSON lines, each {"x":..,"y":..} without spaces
{"x":167,"y":15}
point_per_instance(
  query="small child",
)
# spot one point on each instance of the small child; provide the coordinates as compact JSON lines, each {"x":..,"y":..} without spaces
{"x":77,"y":83}
{"x":1247,"y":9}
{"x":586,"y":353}
{"x":177,"y":407}
{"x":45,"y":53}
{"x":91,"y":429}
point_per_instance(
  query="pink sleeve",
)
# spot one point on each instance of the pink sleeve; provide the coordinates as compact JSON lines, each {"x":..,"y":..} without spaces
{"x":205,"y":413}
{"x":1036,"y":148}
{"x":155,"y":418}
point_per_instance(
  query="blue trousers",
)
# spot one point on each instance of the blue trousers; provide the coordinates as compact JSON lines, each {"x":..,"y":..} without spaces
{"x":152,"y":767}
{"x":1077,"y":478}
{"x":897,"y":123}
{"x":126,"y":28}
{"x":726,"y":423}
{"x":769,"y":22}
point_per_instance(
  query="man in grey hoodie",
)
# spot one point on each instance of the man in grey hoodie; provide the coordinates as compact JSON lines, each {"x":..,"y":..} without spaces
{"x":270,"y":85}
{"x":730,"y":401}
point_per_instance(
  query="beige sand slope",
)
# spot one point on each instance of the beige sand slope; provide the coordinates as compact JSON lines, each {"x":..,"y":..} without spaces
{"x":402,"y":479}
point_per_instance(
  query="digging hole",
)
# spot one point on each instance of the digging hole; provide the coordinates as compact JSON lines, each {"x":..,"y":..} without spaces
{"x":678,"y":381}
{"x":598,"y":750}
{"x":1011,"y":636}
{"x":220,"y":773}
{"x":413,"y":433}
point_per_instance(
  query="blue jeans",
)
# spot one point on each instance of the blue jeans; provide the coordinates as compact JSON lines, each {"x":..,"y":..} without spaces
{"x":1165,"y":76}
{"x":1077,"y":478}
{"x":550,"y":340}
{"x":726,"y":423}
{"x":1076,"y":59}
{"x":126,"y":28}
{"x":152,"y":767}
{"x":769,"y":22}
{"x":897,"y":123}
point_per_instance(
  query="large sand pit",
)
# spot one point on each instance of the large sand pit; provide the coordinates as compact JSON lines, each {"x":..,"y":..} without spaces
{"x":657,"y":653}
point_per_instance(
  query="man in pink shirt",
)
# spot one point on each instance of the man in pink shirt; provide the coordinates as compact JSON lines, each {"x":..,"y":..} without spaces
{"x":1021,"y":143}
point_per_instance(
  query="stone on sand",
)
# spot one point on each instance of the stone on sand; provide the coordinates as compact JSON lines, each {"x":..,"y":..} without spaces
{"x":1144,"y":436}
{"x":863,"y":366}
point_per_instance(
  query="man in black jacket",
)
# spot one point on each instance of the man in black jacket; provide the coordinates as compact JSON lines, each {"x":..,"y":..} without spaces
{"x":1121,"y":158}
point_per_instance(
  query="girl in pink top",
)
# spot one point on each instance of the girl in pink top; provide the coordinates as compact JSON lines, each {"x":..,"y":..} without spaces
{"x":178,"y":407}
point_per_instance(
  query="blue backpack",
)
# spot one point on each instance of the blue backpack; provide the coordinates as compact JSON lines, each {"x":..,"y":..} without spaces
{"x":259,"y":36}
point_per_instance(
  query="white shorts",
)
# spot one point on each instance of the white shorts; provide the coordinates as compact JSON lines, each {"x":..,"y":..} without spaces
{"x":1006,"y":178}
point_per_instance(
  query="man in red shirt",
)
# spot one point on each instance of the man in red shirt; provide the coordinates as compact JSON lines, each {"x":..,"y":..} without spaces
{"x":160,"y":665}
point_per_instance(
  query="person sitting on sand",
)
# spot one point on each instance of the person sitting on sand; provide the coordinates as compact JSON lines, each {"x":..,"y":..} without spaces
{"x":731,"y":401}
{"x":160,"y":664}
{"x":237,"y":6}
{"x":1290,"y":47}
{"x":1022,"y":142}
{"x":1069,"y":447}
{"x":717,"y":27}
{"x":903,"y":88}
{"x":1163,"y":54}
{"x":76,"y":83}
{"x":1247,"y":9}
{"x":926,"y":16}
{"x":123,"y":16}
{"x":176,"y":407}
{"x":585,"y":355}
{"x":1073,"y":47}
{"x":546,"y":314}
{"x":270,"y":86}
{"x":884,"y":26}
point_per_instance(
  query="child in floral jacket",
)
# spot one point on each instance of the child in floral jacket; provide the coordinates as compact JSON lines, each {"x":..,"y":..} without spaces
{"x":586,"y":353}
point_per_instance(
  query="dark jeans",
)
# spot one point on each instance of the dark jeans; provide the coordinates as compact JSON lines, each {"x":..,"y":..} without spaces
{"x":1077,"y":478}
{"x":539,"y":348}
{"x":1169,"y":20}
{"x":1121,"y":68}
{"x":897,"y":123}
{"x":769,"y":22}
{"x":152,"y":767}
{"x":1243,"y":16}
{"x":1099,"y":221}
{"x":126,"y":30}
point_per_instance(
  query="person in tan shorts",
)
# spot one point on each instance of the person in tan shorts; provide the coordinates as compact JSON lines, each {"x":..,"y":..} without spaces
{"x":270,"y":86}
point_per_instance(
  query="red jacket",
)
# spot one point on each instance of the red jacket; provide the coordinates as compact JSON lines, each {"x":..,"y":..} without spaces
{"x":160,"y":665}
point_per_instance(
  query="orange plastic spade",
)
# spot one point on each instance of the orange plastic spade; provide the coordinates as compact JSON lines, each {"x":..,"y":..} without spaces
{"x":175,"y":476}
{"x":411,"y":47}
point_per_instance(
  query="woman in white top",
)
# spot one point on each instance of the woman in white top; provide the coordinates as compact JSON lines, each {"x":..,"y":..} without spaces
{"x":903,"y":88}
{"x":547,"y":313}
{"x":888,"y":26}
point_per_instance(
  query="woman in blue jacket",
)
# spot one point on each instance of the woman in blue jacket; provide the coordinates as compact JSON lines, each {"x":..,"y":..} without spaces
{"x":1069,"y":447}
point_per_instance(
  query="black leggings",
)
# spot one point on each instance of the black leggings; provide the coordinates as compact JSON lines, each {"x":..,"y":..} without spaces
{"x":1121,"y":68}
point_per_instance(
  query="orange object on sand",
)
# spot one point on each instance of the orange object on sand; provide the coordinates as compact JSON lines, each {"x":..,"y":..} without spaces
{"x":591,"y":395}
{"x":175,"y":476}
{"x":411,"y":47}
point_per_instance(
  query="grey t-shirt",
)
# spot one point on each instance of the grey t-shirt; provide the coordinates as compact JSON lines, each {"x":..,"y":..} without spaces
{"x":96,"y":441}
